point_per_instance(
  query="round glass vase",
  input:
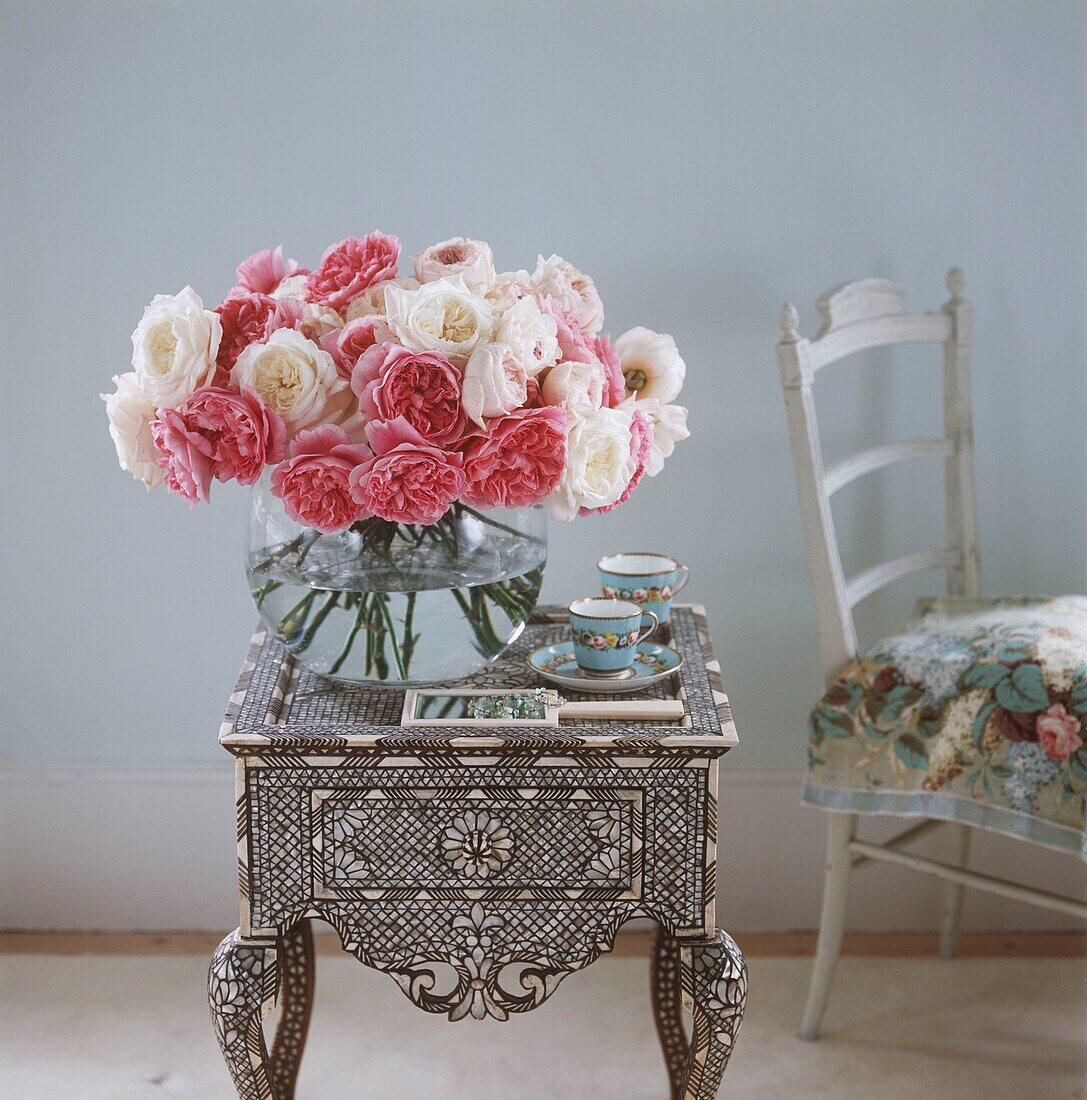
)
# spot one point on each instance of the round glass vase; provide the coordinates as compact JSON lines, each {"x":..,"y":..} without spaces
{"x":392,"y":603}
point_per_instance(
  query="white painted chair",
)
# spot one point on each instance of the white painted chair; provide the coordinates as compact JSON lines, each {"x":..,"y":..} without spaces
{"x":858,"y":316}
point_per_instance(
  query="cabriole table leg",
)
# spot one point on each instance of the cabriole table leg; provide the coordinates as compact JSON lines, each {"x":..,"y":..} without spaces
{"x":295,"y":950}
{"x":667,"y":993}
{"x":242,"y":985}
{"x":714,"y":977}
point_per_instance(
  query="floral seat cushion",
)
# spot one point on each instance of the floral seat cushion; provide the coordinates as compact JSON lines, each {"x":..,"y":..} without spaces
{"x":976,"y":711}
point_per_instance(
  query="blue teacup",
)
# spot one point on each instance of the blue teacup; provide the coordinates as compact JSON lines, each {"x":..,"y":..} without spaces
{"x":607,"y":632}
{"x":649,"y":580}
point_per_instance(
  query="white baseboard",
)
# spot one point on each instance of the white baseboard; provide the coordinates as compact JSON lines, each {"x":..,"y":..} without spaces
{"x":112,"y":848}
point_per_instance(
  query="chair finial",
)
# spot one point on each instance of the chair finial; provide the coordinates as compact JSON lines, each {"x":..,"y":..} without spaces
{"x":789,"y":319}
{"x":956,"y":283}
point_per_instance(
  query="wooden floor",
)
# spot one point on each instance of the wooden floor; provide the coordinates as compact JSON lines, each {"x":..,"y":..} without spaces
{"x":984,"y":945}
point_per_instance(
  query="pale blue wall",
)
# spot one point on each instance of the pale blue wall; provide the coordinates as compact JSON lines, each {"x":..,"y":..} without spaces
{"x":703,"y":162}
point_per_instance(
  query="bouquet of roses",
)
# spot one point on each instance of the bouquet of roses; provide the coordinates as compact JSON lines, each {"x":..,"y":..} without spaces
{"x":394,"y":415}
{"x":376,"y":395}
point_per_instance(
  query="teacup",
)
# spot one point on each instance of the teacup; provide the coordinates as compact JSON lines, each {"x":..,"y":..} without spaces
{"x":649,"y":580}
{"x":607,"y":632}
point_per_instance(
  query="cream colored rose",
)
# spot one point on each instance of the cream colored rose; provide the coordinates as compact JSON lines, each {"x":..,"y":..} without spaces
{"x":295,"y":378}
{"x":371,"y":302}
{"x":294,"y":286}
{"x":669,"y":424}
{"x":651,"y":365}
{"x":442,"y":316}
{"x":508,"y":289}
{"x":174,"y":347}
{"x":574,"y":386}
{"x":494,"y":383}
{"x":574,"y":290}
{"x":130,"y":414}
{"x":599,"y":464}
{"x":531,"y":334}
{"x":471,"y":260}
{"x":319,"y":320}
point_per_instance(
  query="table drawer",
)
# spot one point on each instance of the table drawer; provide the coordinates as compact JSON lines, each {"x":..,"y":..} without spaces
{"x":527,"y":843}
{"x":337,"y":840}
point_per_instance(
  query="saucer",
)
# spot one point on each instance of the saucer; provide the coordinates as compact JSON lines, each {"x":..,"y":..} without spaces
{"x":652,"y":663}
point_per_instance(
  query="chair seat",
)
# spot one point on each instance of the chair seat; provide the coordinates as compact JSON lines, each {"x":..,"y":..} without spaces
{"x":976,"y":711}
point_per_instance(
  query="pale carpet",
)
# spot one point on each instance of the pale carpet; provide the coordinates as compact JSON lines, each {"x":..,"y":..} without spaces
{"x":118,"y":1028}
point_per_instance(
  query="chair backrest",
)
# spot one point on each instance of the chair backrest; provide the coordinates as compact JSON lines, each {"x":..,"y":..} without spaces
{"x":860,"y":315}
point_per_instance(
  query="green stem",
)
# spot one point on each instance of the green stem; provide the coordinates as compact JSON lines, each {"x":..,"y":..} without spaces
{"x":265,"y":590}
{"x":283,"y":627}
{"x":484,"y":626}
{"x":401,"y":669}
{"x":356,"y":626}
{"x":333,"y":598}
{"x":506,"y":600}
{"x":377,"y":627}
{"x":303,"y":542}
{"x":409,"y":639}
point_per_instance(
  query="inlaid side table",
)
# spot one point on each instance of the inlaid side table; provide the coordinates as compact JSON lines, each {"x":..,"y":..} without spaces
{"x":476,"y":867}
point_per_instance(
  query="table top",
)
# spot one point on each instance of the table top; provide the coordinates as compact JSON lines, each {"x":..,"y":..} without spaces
{"x":279,"y":707}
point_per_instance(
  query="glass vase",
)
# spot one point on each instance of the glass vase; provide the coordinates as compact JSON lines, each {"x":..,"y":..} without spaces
{"x":393,"y":603}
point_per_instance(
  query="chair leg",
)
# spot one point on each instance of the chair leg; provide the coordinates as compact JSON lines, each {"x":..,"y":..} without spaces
{"x":840,"y":829}
{"x":953,"y":893}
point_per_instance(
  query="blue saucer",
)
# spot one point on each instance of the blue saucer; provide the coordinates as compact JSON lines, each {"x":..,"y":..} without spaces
{"x":652,"y":663}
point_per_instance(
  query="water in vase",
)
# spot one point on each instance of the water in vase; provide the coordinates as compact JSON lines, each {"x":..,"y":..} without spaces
{"x":383,"y":602}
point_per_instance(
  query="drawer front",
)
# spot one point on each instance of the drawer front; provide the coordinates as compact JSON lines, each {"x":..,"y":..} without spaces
{"x":345,"y":841}
{"x":427,"y":841}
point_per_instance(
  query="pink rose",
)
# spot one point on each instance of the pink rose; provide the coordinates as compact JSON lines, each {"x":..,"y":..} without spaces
{"x":352,"y":266}
{"x":614,"y":384}
{"x":245,"y":319}
{"x":519,"y":461}
{"x":1058,"y":732}
{"x":423,"y":387}
{"x":314,"y":483}
{"x":184,"y":455}
{"x":408,"y":481}
{"x":347,"y":344}
{"x":574,"y":346}
{"x":641,"y":444}
{"x":245,"y":435}
{"x":264,"y":271}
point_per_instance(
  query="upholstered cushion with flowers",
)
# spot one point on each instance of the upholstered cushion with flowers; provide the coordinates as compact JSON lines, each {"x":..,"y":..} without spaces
{"x":976,"y":711}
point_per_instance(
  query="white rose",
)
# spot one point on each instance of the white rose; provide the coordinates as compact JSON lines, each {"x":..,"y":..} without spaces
{"x":294,"y":286}
{"x":130,"y":414}
{"x":371,"y":301}
{"x":441,"y":316}
{"x":174,"y":347}
{"x":319,"y":320}
{"x":574,"y":386}
{"x":295,"y":378}
{"x":473,"y":261}
{"x":669,"y":424}
{"x":495,"y":382}
{"x":508,"y":289}
{"x":574,"y":290}
{"x":532,"y":335}
{"x":651,"y":365}
{"x":599,"y":464}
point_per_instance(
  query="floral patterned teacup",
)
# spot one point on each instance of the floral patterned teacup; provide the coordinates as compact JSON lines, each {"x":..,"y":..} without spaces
{"x":607,"y":632}
{"x":649,"y":580}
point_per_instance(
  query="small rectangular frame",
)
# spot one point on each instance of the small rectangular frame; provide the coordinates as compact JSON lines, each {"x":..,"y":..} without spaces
{"x":413,"y":695}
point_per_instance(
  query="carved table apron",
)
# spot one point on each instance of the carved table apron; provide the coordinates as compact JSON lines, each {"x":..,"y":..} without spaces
{"x":476,"y":867}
